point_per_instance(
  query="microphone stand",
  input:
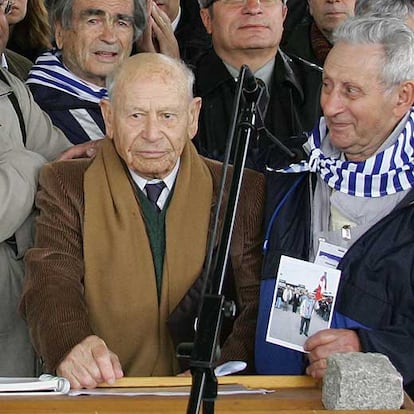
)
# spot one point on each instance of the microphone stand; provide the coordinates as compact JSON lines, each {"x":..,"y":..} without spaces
{"x":204,"y":352}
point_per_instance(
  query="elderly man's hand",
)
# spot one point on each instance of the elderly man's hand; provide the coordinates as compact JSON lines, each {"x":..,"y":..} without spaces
{"x":90,"y":363}
{"x":84,"y":150}
{"x":327,"y":342}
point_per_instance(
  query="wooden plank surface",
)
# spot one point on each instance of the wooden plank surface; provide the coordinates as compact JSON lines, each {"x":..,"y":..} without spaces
{"x":301,"y":395}
{"x":254,"y":381}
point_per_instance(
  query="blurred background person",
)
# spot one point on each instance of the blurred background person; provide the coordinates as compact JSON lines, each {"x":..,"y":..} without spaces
{"x":312,"y":38}
{"x":30,"y":33}
{"x":174,"y":28}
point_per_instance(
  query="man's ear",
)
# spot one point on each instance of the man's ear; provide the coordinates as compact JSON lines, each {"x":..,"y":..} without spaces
{"x":310,"y":10}
{"x":405,"y":99}
{"x":106,"y":109}
{"x":194,"y":112}
{"x":206,"y":18}
{"x":284,"y":11}
{"x":59,"y":34}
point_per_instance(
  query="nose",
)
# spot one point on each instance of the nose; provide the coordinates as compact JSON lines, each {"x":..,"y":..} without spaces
{"x":151,"y":128}
{"x":109,"y":33}
{"x":252,"y":7}
{"x":331,"y":102}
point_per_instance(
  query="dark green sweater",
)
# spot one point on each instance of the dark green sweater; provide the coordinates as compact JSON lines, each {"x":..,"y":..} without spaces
{"x":155,"y":226}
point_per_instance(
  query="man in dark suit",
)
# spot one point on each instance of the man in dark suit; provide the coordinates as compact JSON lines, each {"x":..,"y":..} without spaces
{"x":114,"y":265}
{"x":248,"y":32}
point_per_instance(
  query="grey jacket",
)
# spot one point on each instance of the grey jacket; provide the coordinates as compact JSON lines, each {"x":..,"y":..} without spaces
{"x":19,"y":167}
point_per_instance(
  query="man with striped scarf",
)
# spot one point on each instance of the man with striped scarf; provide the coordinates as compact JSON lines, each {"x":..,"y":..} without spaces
{"x":93,"y":37}
{"x":353,"y":190}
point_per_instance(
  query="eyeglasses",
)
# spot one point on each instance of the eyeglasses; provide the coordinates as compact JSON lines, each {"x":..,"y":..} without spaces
{"x":6,"y":6}
{"x":243,"y":2}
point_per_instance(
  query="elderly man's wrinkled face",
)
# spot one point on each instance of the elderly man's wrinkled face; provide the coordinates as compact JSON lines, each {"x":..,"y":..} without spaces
{"x":329,"y":14}
{"x":151,"y":118}
{"x":245,"y":26}
{"x":100,"y":37}
{"x":359,"y":113}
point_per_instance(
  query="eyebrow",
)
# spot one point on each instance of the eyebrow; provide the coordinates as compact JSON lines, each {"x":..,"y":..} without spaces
{"x":100,"y":12}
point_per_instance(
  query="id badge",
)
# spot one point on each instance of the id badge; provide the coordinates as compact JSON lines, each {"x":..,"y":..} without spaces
{"x":329,"y":254}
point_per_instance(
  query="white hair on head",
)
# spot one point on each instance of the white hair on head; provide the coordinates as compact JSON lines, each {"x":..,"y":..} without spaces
{"x":396,"y":38}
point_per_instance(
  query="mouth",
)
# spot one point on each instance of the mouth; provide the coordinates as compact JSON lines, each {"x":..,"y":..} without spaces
{"x":103,"y":55}
{"x":149,"y":154}
{"x":335,"y":13}
{"x":253,"y":26}
{"x":336,"y":126}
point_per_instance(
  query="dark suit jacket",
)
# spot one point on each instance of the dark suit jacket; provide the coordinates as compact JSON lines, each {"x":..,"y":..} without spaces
{"x":192,"y":38}
{"x":299,"y":42}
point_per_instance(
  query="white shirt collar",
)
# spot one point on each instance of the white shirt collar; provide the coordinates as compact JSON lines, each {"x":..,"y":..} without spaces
{"x":175,"y":22}
{"x":169,"y":181}
{"x":4,"y":61}
{"x":264,"y":73}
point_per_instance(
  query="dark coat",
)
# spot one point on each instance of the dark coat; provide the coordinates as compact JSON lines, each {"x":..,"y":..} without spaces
{"x":299,"y":42}
{"x":293,"y":105}
{"x":297,"y":11}
{"x":376,"y":290}
{"x":192,"y":38}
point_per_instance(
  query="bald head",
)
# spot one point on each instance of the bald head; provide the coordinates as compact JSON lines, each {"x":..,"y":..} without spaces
{"x":151,"y":113}
{"x":147,"y":67}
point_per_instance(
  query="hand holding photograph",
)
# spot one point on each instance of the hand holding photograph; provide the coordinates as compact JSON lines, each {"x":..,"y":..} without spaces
{"x":303,"y":302}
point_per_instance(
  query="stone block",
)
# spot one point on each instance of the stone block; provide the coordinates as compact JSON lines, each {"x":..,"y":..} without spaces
{"x":361,"y":381}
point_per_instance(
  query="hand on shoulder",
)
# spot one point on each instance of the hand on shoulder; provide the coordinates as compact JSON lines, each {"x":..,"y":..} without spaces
{"x":84,"y":150}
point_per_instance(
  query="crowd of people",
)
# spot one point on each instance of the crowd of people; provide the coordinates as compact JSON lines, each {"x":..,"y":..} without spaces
{"x":114,"y":123}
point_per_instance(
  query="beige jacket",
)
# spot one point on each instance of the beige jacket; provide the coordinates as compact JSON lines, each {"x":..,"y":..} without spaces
{"x":19,"y":167}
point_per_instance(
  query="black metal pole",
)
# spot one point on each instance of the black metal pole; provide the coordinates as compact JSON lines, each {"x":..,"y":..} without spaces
{"x":206,"y":344}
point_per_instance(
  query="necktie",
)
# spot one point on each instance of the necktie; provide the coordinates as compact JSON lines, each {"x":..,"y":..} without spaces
{"x":262,"y":104}
{"x":153,"y":193}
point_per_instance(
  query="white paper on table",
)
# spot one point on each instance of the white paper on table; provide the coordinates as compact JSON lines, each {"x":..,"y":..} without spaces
{"x":43,"y":385}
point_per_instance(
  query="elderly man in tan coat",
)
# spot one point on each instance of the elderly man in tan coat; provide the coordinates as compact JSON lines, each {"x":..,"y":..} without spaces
{"x":109,"y":266}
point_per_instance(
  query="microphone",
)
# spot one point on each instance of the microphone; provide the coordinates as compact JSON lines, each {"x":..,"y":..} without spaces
{"x":255,"y":90}
{"x":252,"y":87}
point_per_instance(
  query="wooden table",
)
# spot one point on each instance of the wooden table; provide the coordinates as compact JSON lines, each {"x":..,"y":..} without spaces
{"x":299,"y":394}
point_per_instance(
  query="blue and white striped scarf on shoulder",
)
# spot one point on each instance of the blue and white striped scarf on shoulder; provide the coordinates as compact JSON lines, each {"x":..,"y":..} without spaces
{"x":49,"y":71}
{"x":387,"y":172}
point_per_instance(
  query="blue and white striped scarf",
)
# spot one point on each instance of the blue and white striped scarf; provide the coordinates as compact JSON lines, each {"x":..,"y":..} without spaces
{"x":387,"y":172}
{"x":49,"y":71}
